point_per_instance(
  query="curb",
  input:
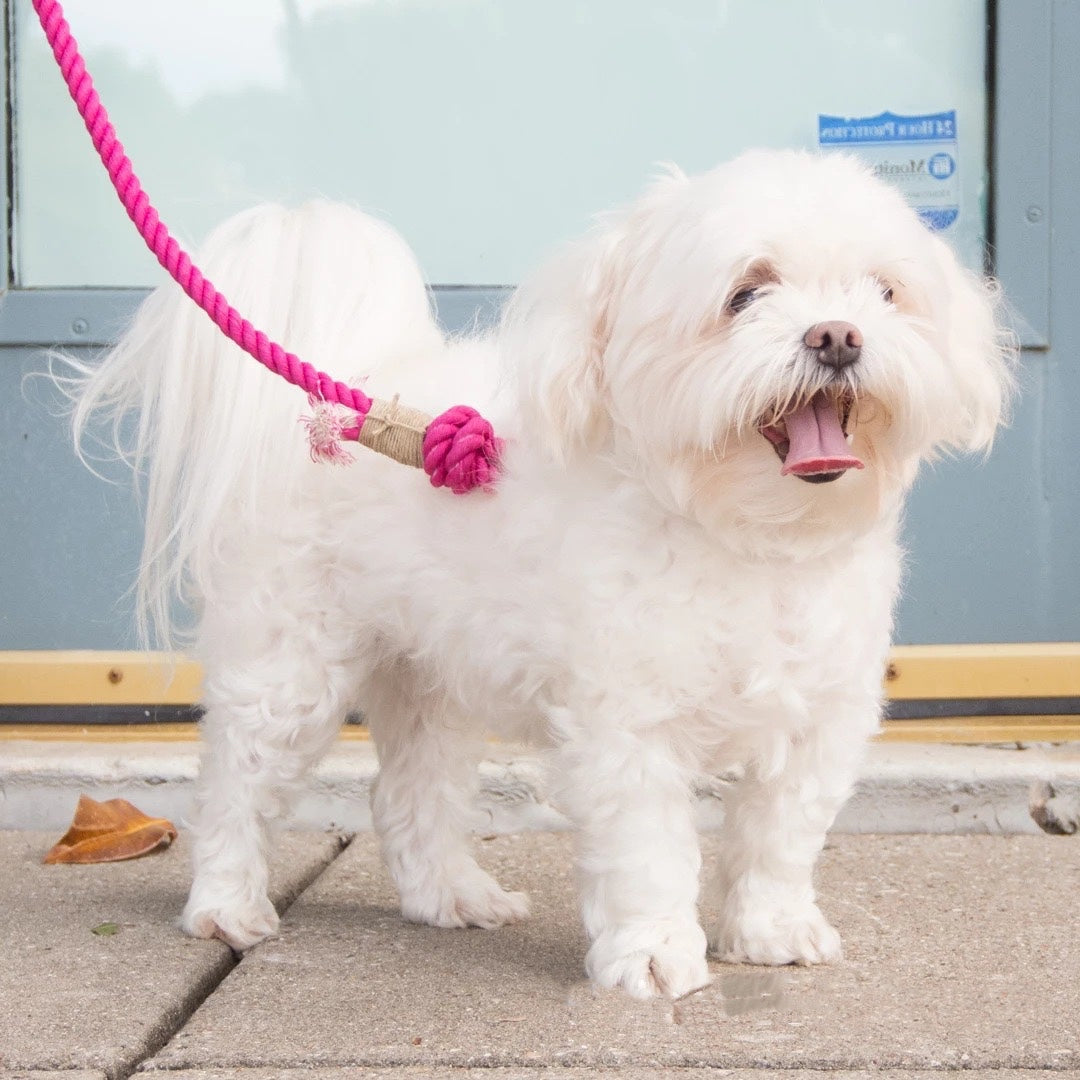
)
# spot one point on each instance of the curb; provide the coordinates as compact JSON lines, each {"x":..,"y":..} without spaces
{"x":904,"y":788}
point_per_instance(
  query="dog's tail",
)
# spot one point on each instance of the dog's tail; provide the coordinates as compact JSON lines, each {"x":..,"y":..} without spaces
{"x":216,"y":438}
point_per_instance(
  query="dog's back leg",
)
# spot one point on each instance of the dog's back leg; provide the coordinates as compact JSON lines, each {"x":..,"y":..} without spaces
{"x":422,"y":805}
{"x":270,"y":716}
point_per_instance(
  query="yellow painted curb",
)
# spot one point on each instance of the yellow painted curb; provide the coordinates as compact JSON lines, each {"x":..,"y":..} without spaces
{"x":128,"y":733}
{"x":978,"y":729}
{"x":97,"y":678}
{"x":915,"y":671}
{"x":984,"y":671}
{"x":983,"y":729}
{"x":51,"y":678}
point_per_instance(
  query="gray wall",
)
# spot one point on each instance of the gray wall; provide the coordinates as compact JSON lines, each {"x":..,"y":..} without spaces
{"x":992,"y":547}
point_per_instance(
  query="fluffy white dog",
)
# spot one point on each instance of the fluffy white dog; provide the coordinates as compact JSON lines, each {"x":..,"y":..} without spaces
{"x":713,"y":405}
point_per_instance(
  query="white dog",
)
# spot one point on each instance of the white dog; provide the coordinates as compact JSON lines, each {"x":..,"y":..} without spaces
{"x":713,"y":406}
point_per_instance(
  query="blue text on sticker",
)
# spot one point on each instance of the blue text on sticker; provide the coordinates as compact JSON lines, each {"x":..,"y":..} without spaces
{"x":916,"y":154}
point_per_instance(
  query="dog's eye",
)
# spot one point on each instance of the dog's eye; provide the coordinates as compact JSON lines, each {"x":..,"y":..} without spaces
{"x":886,"y":293}
{"x":742,"y":299}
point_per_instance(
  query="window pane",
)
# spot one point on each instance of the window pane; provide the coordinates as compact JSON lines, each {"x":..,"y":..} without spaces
{"x":485,"y":130}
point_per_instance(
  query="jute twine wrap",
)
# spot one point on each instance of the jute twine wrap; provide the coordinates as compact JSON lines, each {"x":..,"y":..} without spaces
{"x":396,"y":431}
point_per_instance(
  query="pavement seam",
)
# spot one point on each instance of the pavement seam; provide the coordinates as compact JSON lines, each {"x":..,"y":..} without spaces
{"x":609,"y":1061}
{"x":158,"y":1038}
{"x":314,"y":1068}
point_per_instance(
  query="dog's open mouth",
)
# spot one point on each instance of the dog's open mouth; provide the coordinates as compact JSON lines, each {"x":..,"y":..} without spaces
{"x":811,"y":438}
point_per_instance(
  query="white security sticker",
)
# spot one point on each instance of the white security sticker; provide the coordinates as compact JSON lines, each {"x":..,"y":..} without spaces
{"x":917,"y":154}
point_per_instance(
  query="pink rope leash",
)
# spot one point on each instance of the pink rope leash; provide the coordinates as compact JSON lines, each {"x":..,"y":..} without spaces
{"x":458,"y":449}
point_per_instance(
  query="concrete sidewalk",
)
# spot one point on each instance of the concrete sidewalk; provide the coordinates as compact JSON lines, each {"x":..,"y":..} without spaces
{"x":962,"y":953}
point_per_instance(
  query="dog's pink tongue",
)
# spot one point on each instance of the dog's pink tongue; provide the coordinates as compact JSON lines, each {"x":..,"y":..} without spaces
{"x":816,"y":442}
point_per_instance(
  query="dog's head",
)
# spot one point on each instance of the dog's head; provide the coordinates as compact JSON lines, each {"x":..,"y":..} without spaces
{"x":778,"y":341}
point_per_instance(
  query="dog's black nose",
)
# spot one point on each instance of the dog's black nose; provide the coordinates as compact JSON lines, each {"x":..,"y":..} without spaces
{"x":837,"y":344}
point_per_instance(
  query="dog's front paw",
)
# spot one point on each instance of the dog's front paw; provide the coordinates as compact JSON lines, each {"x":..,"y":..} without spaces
{"x":657,"y":960}
{"x":239,"y":925}
{"x":472,"y":899}
{"x":785,"y":936}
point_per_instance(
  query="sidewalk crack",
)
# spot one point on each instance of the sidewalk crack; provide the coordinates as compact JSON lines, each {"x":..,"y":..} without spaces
{"x":174,"y":1022}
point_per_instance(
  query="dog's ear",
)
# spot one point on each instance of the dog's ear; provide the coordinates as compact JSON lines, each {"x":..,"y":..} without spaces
{"x":980,"y":352}
{"x":554,"y":335}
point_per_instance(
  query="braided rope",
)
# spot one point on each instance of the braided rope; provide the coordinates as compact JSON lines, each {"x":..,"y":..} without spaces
{"x":465,"y":453}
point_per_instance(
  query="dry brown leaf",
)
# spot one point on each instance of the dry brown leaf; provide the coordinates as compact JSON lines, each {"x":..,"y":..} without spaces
{"x":110,"y":831}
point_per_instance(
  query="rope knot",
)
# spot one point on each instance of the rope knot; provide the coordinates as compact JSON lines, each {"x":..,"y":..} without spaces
{"x":461,"y":450}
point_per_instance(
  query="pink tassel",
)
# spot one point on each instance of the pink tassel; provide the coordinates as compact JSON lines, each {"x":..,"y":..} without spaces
{"x":325,"y":431}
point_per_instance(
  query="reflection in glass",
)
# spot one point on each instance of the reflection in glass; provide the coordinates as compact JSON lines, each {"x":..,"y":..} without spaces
{"x":485,"y":130}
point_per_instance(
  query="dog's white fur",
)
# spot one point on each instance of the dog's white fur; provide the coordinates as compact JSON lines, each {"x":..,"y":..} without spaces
{"x":644,"y":594}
